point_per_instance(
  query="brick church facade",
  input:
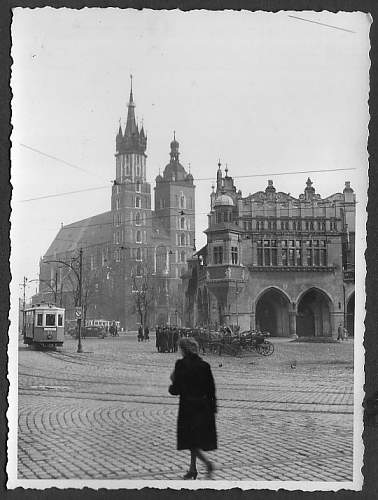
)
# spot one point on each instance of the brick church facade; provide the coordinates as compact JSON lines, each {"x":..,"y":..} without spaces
{"x":132,"y":247}
{"x":275,"y":262}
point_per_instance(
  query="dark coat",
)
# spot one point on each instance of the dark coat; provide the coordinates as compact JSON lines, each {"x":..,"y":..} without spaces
{"x":193,"y":381}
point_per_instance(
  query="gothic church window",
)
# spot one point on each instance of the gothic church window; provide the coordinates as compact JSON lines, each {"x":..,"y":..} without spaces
{"x":182,"y":239}
{"x":182,"y":223}
{"x":138,"y":237}
{"x":137,"y":219}
{"x":137,"y":187}
{"x":161,"y":259}
{"x":137,"y":202}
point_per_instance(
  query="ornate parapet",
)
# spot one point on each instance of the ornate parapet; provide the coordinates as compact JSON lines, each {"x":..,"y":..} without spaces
{"x":226,"y":274}
{"x":314,"y":269}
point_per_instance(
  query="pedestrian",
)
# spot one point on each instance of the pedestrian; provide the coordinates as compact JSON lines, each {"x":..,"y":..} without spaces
{"x":164,"y":340}
{"x":193,"y":381}
{"x":170,"y":339}
{"x":140,"y":334}
{"x":146,"y":333}
{"x":175,"y":340}
{"x":340,"y":332}
{"x":157,"y":338}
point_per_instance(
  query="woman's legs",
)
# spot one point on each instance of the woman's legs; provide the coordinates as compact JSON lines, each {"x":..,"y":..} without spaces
{"x":198,"y":453}
{"x":193,"y":459}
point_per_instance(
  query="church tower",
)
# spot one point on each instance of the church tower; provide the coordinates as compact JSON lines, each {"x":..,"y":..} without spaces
{"x":131,"y":194}
{"x":175,"y":210}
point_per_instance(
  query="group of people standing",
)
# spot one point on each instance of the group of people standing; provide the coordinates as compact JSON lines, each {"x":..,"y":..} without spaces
{"x":143,"y":334}
{"x":167,"y":338}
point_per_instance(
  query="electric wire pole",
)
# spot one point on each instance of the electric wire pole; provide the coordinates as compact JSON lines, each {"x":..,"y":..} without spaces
{"x":79,"y":346}
{"x":24,"y":305}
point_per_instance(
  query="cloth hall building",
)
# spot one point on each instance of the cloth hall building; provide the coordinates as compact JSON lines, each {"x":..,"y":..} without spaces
{"x":275,"y":262}
{"x":132,"y":248}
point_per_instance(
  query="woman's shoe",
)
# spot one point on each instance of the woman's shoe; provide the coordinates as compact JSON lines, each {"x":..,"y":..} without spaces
{"x":210,"y":470}
{"x":191,"y":474}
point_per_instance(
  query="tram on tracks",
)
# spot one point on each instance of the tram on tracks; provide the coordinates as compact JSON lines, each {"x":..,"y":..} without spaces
{"x":44,"y":325}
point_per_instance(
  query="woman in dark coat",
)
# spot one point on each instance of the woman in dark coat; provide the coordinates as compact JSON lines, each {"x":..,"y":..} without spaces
{"x":193,"y":381}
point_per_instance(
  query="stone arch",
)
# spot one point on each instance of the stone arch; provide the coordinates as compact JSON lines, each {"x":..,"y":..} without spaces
{"x":267,"y":289}
{"x":349,"y":314}
{"x":314,"y":307}
{"x":272,"y":308}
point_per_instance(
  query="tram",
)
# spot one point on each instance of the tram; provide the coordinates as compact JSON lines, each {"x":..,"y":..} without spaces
{"x":44,"y":325}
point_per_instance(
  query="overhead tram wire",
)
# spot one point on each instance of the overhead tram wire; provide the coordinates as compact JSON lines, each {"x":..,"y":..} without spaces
{"x":272,"y":174}
{"x":321,"y":24}
{"x":59,"y":160}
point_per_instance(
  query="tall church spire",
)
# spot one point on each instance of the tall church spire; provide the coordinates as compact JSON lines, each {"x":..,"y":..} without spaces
{"x":132,"y":140}
{"x":131,"y":126}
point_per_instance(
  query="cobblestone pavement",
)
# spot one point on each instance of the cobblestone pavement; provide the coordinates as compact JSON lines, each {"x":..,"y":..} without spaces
{"x":106,"y":413}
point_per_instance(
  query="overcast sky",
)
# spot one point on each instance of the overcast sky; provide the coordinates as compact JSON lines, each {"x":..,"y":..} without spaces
{"x":266,"y":93}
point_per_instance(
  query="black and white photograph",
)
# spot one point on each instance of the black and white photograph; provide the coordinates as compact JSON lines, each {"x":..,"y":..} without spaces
{"x":188,"y":231}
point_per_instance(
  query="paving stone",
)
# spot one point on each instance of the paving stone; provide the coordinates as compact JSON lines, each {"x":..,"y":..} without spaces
{"x":113,"y":417}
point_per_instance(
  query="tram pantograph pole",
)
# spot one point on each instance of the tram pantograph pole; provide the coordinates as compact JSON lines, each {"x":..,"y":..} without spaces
{"x":79,"y":346}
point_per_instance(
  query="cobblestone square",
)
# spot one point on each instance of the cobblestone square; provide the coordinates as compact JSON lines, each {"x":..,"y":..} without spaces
{"x":106,"y":413}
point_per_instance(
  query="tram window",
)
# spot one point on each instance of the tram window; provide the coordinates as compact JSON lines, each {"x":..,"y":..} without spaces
{"x":39,"y":319}
{"x":50,"y":319}
{"x":60,"y":319}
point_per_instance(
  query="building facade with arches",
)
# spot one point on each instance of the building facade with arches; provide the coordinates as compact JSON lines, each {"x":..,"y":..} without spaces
{"x":133,"y":242}
{"x":274,"y":262}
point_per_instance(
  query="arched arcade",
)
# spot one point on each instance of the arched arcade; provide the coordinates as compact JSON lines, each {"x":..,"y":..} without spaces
{"x":314,"y":314}
{"x":272,"y":312}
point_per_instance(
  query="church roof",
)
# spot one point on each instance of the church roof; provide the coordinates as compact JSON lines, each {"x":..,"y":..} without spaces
{"x":91,"y":231}
{"x":223,"y":200}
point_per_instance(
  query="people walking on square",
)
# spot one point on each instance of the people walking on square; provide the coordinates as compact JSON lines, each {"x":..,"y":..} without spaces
{"x":340,"y":332}
{"x":193,"y":381}
{"x":146,"y":333}
{"x":140,"y":334}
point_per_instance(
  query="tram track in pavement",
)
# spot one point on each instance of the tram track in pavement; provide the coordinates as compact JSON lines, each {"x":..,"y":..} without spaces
{"x":140,"y":398}
{"x":111,"y":383}
{"x":114,"y":381}
{"x":94,"y":358}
